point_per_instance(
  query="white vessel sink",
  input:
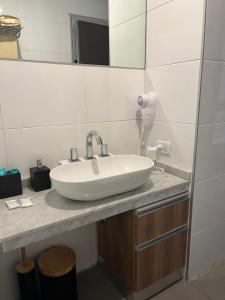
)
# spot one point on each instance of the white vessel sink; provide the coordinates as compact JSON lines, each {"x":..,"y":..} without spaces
{"x":101,"y":177}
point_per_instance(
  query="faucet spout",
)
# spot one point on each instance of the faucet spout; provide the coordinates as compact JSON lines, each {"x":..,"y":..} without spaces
{"x":89,"y":143}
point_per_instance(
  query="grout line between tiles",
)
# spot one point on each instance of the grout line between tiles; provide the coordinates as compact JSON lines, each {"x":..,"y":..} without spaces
{"x":210,"y":178}
{"x":175,"y":122}
{"x":172,"y":64}
{"x":200,"y":291}
{"x":131,"y":19}
{"x":127,"y":120}
{"x":210,"y":124}
{"x":208,"y":226}
{"x":45,"y":126}
{"x":215,"y":60}
{"x":114,"y":121}
{"x":75,"y":124}
{"x":72,"y":64}
{"x":159,"y":6}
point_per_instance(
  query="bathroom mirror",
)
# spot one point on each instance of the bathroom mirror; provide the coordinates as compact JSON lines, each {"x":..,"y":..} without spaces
{"x":93,"y":32}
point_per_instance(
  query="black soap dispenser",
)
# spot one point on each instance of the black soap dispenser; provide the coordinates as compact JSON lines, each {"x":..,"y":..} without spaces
{"x":39,"y":177}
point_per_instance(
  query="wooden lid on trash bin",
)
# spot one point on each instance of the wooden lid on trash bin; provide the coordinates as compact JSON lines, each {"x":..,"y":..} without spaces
{"x":56,"y":261}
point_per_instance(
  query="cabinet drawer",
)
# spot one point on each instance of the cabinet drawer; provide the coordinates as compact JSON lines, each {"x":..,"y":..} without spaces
{"x":153,"y":223}
{"x":156,"y":261}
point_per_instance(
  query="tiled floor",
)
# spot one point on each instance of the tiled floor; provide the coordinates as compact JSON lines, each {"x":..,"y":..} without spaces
{"x":94,"y":285}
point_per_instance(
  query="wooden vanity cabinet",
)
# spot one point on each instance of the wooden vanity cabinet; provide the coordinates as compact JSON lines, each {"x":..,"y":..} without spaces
{"x":145,"y":246}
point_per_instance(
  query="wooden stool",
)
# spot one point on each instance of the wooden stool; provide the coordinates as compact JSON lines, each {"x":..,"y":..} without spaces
{"x":57,"y":267}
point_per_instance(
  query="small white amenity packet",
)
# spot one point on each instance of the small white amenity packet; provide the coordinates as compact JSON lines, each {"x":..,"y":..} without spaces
{"x":26,"y":202}
{"x":12,"y":204}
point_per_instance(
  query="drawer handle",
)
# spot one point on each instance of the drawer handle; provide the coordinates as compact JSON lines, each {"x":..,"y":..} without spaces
{"x":163,"y":204}
{"x":163,"y":237}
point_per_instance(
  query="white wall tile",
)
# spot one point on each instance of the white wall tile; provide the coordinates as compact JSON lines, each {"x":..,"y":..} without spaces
{"x":3,"y":161}
{"x":207,"y":247}
{"x":50,"y":143}
{"x":111,"y":94}
{"x":151,"y":4}
{"x":66,"y":58}
{"x":182,"y":138}
{"x":210,"y":151}
{"x":212,"y":104}
{"x":127,"y":43}
{"x":42,"y":10}
{"x":49,"y":95}
{"x":120,"y":13}
{"x":121,"y":137}
{"x":9,"y":7}
{"x":208,"y":206}
{"x":215,"y":22}
{"x":177,"y":87}
{"x":39,"y":36}
{"x":174,"y":32}
{"x":65,"y":38}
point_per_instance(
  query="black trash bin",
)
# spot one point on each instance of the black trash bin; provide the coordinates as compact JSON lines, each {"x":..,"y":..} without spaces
{"x":57,"y":269}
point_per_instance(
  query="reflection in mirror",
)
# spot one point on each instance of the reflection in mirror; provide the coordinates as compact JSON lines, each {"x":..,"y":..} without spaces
{"x":96,"y":32}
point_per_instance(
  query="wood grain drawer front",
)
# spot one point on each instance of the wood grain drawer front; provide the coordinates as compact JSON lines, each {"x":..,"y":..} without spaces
{"x":159,"y":260}
{"x":160,"y":221}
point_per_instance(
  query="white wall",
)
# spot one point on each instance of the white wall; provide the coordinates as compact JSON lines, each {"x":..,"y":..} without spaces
{"x":45,"y":110}
{"x":127,"y":33}
{"x":207,"y":240}
{"x":174,"y":44}
{"x":46,"y":33}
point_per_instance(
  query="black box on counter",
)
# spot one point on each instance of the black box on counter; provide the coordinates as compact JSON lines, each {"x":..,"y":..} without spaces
{"x":39,"y":178}
{"x":10,"y":185}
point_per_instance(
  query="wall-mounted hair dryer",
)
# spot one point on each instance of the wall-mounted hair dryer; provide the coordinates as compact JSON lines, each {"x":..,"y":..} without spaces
{"x":147,"y":113}
{"x":147,"y":109}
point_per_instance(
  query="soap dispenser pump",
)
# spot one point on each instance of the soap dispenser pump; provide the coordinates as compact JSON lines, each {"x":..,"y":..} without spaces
{"x":39,"y":177}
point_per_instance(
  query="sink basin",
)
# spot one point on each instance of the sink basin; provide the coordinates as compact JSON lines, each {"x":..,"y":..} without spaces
{"x":102,"y":177}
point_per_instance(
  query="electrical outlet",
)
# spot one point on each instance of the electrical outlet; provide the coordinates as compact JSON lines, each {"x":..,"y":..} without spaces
{"x":166,"y":146}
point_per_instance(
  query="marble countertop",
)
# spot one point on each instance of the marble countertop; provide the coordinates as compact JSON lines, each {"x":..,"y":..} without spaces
{"x":52,"y":214}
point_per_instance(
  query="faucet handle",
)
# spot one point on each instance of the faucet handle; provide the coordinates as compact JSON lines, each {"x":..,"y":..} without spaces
{"x":74,"y":155}
{"x":104,"y":150}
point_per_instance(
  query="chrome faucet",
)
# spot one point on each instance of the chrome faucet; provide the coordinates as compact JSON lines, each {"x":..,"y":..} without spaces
{"x":89,"y":145}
